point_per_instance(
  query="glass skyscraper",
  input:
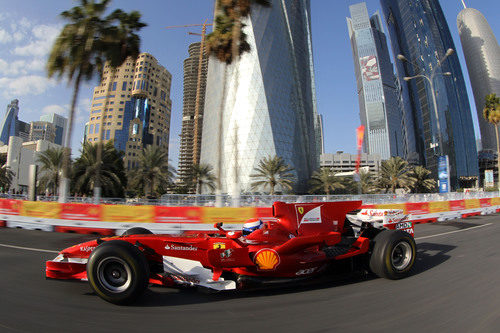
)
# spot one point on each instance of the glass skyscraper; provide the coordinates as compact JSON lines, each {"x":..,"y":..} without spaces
{"x":376,"y":84}
{"x":268,"y":100}
{"x":12,"y":126}
{"x":419,"y":31}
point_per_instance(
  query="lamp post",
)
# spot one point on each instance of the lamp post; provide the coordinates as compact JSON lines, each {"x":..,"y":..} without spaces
{"x":430,"y":80}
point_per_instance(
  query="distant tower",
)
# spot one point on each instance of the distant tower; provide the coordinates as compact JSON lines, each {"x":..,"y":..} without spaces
{"x":482,"y":55}
{"x":12,"y":126}
{"x":189,"y":134}
{"x":138,"y":111}
{"x":377,"y":92}
{"x":269,"y":107}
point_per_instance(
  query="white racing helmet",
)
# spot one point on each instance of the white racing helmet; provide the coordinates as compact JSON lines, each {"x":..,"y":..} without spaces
{"x":252,"y":225}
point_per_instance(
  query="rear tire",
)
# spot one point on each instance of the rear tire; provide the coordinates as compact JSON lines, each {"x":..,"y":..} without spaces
{"x":393,"y":254}
{"x":137,"y":231}
{"x":118,"y":272}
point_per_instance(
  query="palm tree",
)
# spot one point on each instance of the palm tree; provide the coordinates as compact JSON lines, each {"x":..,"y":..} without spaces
{"x":226,"y":43}
{"x":272,"y":172}
{"x":491,"y":113}
{"x":51,"y":161}
{"x":6,"y":174}
{"x":78,"y":53}
{"x":121,"y":43}
{"x":325,"y":181}
{"x":393,"y":174}
{"x":112,"y":176}
{"x":420,"y":180}
{"x":202,"y":176}
{"x":153,"y":171}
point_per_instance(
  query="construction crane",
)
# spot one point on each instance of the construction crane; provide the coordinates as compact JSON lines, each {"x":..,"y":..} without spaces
{"x":197,"y":129}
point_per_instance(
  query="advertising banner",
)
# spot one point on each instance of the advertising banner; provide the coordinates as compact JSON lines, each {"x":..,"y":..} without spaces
{"x":439,"y":206}
{"x":227,"y":214}
{"x":444,"y":174}
{"x":472,"y":203}
{"x":369,"y":68}
{"x":84,"y":212}
{"x":417,"y":208}
{"x":457,"y":205}
{"x":10,"y":207}
{"x":392,"y":206}
{"x":177,"y":214}
{"x":123,"y":213}
{"x":46,"y":210}
{"x":488,"y":178}
{"x":486,"y":202}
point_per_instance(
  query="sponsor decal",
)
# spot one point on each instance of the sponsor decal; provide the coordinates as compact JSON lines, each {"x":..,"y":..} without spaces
{"x":267,"y":259}
{"x":308,"y":214}
{"x":87,"y":248}
{"x":403,"y":225}
{"x":305,"y":271}
{"x":380,"y":212}
{"x":180,"y":247}
{"x":226,"y":254}
{"x":219,"y":246}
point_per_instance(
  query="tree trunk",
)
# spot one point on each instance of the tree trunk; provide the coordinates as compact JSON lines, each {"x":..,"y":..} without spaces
{"x":498,"y":156}
{"x":98,"y":185}
{"x":64,"y":185}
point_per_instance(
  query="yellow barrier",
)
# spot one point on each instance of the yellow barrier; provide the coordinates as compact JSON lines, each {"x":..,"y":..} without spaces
{"x":46,"y":210}
{"x":439,"y":206}
{"x":227,"y":214}
{"x":472,"y":203}
{"x":123,"y":213}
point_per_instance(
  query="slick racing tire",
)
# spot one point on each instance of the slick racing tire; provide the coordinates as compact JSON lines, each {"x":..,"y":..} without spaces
{"x":137,"y":231}
{"x":118,"y":272}
{"x":393,"y":254}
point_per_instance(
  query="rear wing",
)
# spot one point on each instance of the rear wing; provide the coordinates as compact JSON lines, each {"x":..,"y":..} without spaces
{"x":392,"y":219}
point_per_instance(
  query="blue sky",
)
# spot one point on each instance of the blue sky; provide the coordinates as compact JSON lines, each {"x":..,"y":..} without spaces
{"x":27,"y":31}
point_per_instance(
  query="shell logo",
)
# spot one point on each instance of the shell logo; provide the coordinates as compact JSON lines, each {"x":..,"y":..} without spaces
{"x":267,"y":259}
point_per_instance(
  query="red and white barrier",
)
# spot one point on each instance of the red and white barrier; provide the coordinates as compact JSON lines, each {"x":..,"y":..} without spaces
{"x":115,"y":219}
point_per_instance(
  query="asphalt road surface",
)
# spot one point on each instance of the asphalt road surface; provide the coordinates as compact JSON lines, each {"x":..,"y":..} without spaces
{"x":455,"y":287}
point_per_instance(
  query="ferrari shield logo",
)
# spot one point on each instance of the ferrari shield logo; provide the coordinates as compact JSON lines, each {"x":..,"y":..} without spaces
{"x":308,"y":214}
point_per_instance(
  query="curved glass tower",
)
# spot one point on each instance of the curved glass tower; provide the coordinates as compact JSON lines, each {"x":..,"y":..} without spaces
{"x":268,"y":100}
{"x":419,"y":31}
{"x":482,"y":55}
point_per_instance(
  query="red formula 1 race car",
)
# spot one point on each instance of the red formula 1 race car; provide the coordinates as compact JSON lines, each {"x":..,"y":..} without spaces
{"x":300,"y":241}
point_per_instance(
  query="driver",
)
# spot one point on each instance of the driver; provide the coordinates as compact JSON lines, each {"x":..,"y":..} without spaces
{"x":251,"y":225}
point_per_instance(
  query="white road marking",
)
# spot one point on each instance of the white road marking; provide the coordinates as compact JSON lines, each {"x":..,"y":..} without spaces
{"x":452,"y":232}
{"x":28,"y":248}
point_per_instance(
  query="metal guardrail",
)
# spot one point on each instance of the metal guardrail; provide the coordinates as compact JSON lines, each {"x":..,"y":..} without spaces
{"x":183,"y":200}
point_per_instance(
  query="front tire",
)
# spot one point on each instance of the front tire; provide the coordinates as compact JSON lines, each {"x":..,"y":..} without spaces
{"x":118,"y":272}
{"x":137,"y":231}
{"x":393,"y":254}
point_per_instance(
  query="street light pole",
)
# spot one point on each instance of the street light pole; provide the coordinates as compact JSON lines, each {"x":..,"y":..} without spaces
{"x":433,"y":92}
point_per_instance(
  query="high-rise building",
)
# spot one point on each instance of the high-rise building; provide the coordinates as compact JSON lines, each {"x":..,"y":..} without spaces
{"x":138,"y":107}
{"x":418,"y":30}
{"x":42,"y":130}
{"x":61,"y":125}
{"x":192,"y":112}
{"x":377,"y":92}
{"x":482,"y":55}
{"x":265,"y":100}
{"x":12,"y":126}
